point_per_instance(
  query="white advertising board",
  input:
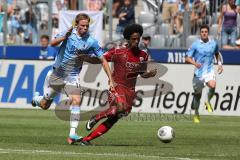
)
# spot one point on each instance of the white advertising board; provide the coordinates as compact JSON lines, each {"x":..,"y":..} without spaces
{"x":169,"y":92}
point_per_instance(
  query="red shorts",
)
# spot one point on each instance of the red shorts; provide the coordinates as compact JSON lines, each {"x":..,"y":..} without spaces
{"x":122,"y":95}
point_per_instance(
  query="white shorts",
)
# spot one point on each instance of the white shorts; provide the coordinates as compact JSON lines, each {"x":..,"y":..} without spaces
{"x":208,"y":77}
{"x":54,"y":84}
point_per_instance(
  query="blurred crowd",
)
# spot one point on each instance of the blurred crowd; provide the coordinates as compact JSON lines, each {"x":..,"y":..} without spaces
{"x":201,"y":12}
{"x":28,"y":20}
{"x":173,"y":10}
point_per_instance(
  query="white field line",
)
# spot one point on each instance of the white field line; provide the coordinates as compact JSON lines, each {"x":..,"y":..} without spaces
{"x":22,"y":151}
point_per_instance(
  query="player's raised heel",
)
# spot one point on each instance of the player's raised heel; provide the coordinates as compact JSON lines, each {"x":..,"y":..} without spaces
{"x":74,"y":139}
{"x":91,"y":123}
{"x":208,"y":107}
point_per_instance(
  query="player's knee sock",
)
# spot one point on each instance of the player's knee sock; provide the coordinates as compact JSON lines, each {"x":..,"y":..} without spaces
{"x":74,"y":119}
{"x":196,"y":103}
{"x":102,"y":128}
{"x":210,"y":93}
{"x":107,"y":113}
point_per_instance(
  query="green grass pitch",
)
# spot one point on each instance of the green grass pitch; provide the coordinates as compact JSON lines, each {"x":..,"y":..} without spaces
{"x":37,"y":134}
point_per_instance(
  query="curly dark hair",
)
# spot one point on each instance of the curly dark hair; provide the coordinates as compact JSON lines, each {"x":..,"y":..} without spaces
{"x":132,"y":28}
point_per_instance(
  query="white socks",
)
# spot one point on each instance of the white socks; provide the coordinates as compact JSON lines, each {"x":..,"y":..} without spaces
{"x":74,"y":119}
{"x":72,"y":131}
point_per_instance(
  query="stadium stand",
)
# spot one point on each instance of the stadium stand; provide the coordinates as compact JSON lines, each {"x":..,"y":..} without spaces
{"x":158,"y":41}
{"x":164,"y":29}
{"x":190,"y":40}
{"x":146,"y":17}
{"x":147,"y":12}
{"x":214,"y":30}
{"x":149,"y":28}
{"x":173,"y":41}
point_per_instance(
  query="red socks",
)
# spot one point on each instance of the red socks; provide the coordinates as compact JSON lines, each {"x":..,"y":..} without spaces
{"x":100,"y":130}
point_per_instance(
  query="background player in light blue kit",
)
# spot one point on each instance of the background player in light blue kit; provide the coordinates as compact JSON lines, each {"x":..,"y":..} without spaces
{"x":201,"y":55}
{"x":68,"y":64}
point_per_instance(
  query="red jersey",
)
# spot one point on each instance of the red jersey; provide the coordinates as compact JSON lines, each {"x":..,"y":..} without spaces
{"x":127,"y":65}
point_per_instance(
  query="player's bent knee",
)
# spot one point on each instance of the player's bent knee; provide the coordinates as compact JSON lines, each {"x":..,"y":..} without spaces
{"x":76,"y":100}
{"x":123,"y":114}
{"x":113,"y":111}
{"x":211,"y":84}
{"x":123,"y":111}
{"x":118,"y":111}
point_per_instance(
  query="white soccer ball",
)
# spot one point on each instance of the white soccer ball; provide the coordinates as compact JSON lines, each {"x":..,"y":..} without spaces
{"x":166,"y":134}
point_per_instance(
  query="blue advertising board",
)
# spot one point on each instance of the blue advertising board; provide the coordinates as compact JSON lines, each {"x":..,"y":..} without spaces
{"x":177,"y":56}
{"x":159,"y":55}
{"x":22,"y":52}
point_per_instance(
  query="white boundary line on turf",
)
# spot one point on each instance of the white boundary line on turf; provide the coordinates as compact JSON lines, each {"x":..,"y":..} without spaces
{"x":22,"y":151}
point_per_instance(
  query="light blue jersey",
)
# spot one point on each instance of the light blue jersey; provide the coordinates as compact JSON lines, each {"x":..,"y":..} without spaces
{"x":67,"y":61}
{"x":203,"y":53}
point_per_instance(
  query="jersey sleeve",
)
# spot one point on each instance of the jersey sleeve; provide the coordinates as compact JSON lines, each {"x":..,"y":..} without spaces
{"x":191,"y":51}
{"x":109,"y":54}
{"x":97,"y":50}
{"x":62,"y":34}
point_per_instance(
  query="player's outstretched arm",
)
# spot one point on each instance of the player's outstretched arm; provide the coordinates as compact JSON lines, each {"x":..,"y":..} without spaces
{"x":88,"y":58}
{"x":108,"y":72}
{"x":58,"y":40}
{"x":191,"y":61}
{"x":147,"y":73}
{"x":92,"y":60}
{"x":219,"y":61}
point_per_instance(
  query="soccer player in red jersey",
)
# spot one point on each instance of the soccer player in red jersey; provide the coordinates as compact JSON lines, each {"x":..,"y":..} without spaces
{"x":128,"y":62}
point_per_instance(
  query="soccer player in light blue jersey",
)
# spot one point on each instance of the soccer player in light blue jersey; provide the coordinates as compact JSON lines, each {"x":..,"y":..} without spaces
{"x":201,"y":54}
{"x":68,"y":64}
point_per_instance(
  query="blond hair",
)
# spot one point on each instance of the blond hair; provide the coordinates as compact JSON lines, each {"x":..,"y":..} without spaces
{"x":81,"y":16}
